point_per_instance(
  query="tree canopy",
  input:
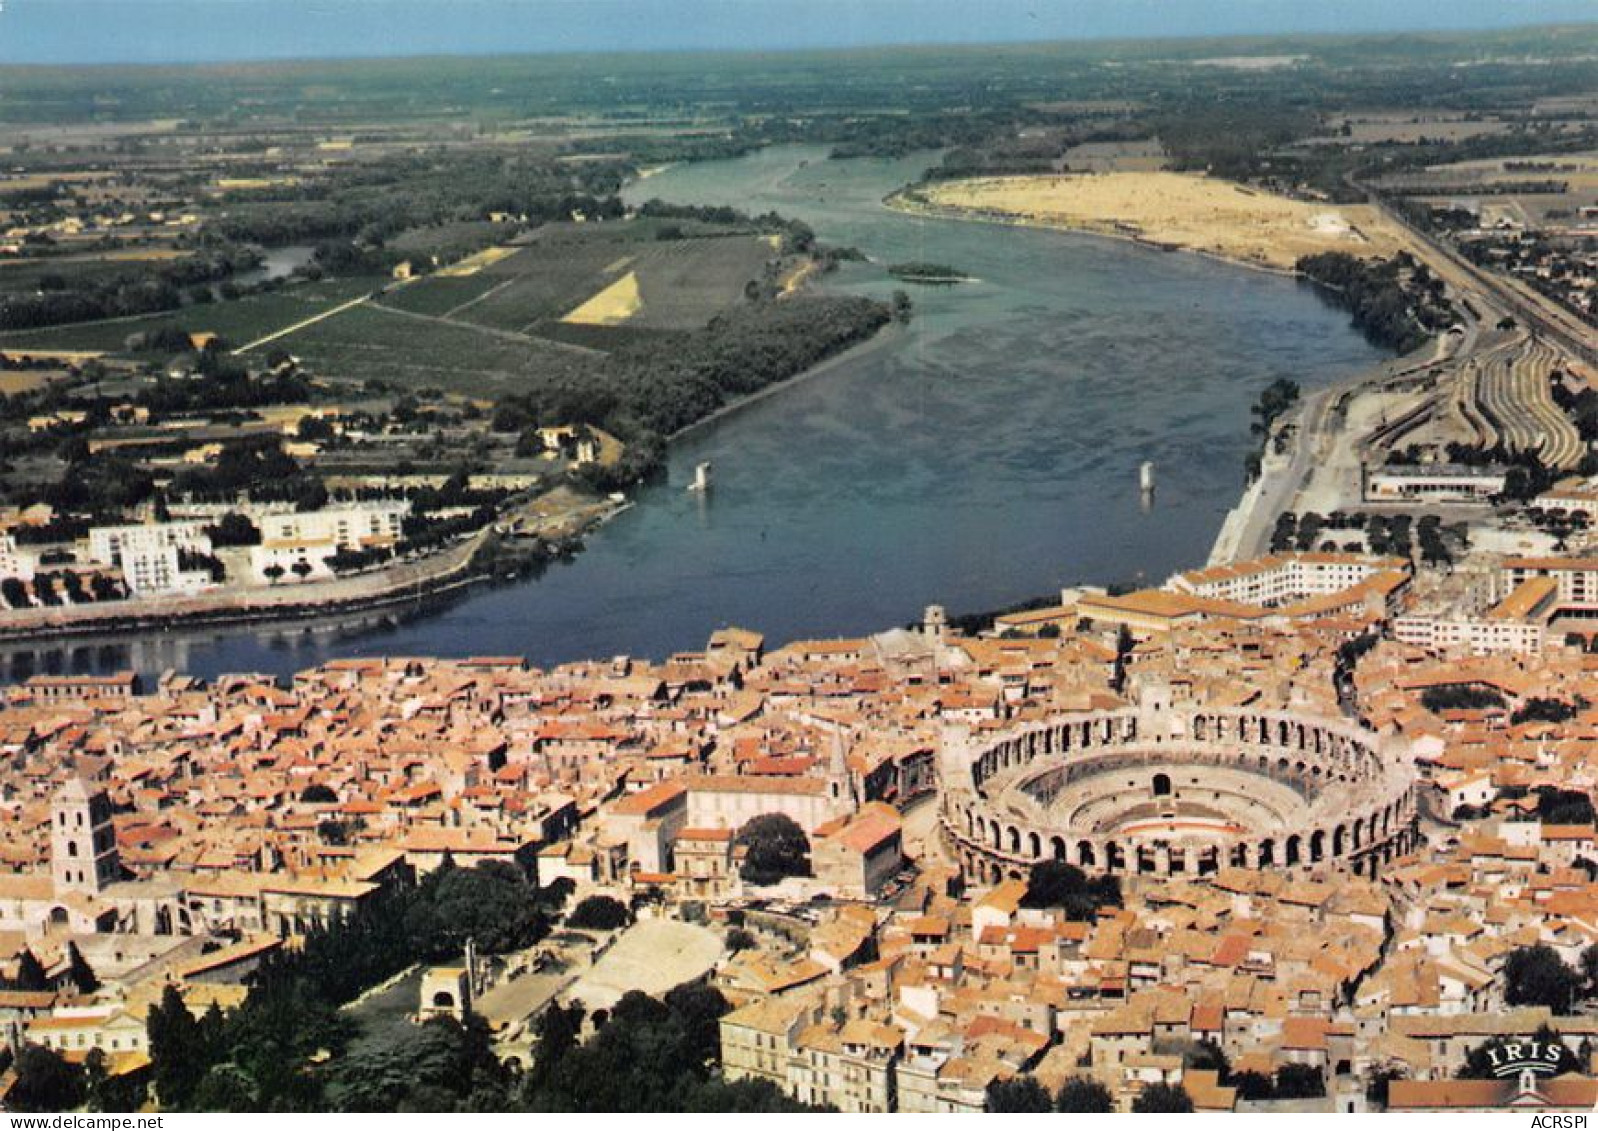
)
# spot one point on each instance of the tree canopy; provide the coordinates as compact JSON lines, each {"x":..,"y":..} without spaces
{"x":262,"y":1056}
{"x":1536,"y":975}
{"x":775,"y":848}
{"x":1158,"y":1099}
{"x":599,"y":913}
{"x":1082,"y":1094}
{"x":1055,"y":884}
{"x":1018,"y":1093}
{"x":649,"y":1054}
{"x":45,"y":1081}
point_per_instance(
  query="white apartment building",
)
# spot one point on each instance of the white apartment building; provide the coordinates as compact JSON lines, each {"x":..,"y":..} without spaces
{"x":1282,"y":578}
{"x":1519,"y":624}
{"x":1476,"y":634}
{"x":147,"y":554}
{"x":20,"y":562}
{"x":108,"y":543}
{"x":295,"y":545}
{"x":1577,"y":578}
{"x":352,"y":527}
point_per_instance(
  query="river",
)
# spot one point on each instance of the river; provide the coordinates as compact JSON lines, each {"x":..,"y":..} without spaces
{"x":987,"y":454}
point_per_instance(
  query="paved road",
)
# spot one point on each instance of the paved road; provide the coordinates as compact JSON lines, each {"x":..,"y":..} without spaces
{"x":1317,"y":422}
{"x":1497,"y":293}
{"x":1484,"y":301}
{"x":298,"y":326}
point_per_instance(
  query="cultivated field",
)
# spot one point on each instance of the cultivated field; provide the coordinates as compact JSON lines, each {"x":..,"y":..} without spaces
{"x":22,"y":380}
{"x":472,"y":264}
{"x":539,"y":283}
{"x":240,"y":321}
{"x":25,"y":274}
{"x":601,"y":281}
{"x":1179,"y":210}
{"x":451,"y":240}
{"x":486,"y":326}
{"x":1402,"y":127}
{"x":1446,"y":185}
{"x":612,"y":306}
{"x":370,"y":342}
{"x":684,"y":284}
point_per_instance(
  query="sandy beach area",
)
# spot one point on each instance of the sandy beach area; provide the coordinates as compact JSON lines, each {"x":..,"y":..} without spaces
{"x":1176,"y":210}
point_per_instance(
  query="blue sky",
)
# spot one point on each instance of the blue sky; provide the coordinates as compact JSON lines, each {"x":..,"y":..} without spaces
{"x":66,"y":31}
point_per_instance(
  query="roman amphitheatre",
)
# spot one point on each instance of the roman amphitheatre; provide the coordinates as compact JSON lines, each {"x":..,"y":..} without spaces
{"x":1182,"y":211}
{"x":1168,"y":789}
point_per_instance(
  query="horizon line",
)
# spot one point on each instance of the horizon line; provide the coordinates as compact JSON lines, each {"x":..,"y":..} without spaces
{"x":1418,"y":32}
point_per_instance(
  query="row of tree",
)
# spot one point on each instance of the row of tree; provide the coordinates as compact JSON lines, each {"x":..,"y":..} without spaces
{"x":1375,"y":295}
{"x":150,"y":287}
{"x":1081,"y":1094}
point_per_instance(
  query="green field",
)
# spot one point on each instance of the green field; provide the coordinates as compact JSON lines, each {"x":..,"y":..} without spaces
{"x":370,"y":343}
{"x":438,"y":295}
{"x":452,"y":240}
{"x":686,"y":283}
{"x":240,"y":321}
{"x":543,"y":282}
{"x":25,"y":274}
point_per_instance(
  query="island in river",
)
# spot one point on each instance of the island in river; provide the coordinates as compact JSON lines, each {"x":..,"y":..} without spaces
{"x":929,"y":274}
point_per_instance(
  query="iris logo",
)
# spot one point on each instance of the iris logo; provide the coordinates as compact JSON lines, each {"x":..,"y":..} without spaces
{"x":1545,"y":1058}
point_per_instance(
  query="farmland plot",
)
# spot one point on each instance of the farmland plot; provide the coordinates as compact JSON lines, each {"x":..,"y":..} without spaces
{"x":683,"y":284}
{"x":369,"y":342}
{"x":544,"y":282}
{"x":239,"y":321}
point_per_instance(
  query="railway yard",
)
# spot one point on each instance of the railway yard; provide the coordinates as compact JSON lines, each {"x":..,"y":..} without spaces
{"x":1488,"y":393}
{"x":1503,"y":396}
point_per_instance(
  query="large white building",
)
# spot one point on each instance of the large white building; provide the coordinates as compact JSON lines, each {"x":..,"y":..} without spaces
{"x":108,"y":543}
{"x":1577,"y":578}
{"x":348,"y":528}
{"x":20,"y":562}
{"x":1519,"y":623}
{"x":148,"y":554}
{"x":1438,"y":482}
{"x":1279,"y":579}
{"x":296,"y":545}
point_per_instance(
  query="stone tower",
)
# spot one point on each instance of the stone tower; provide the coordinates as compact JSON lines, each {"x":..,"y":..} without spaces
{"x":83,"y":843}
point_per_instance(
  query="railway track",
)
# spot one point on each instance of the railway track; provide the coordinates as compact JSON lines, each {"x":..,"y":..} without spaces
{"x":1505,"y":396}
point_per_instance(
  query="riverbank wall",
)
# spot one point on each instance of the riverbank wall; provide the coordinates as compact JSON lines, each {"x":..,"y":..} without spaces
{"x":442,"y":573}
{"x":1229,"y":539}
{"x":447,"y":572}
